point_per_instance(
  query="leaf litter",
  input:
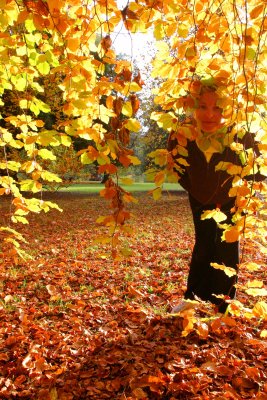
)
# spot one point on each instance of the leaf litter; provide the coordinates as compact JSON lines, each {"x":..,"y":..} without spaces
{"x":76,"y":325}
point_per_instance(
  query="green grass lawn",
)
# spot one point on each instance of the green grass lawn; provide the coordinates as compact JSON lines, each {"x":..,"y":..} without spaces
{"x":95,"y":187}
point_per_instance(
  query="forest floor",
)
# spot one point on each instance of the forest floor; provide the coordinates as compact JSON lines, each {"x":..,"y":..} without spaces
{"x":75,"y":325}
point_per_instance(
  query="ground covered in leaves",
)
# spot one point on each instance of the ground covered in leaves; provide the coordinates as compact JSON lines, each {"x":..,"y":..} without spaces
{"x":74,"y":325}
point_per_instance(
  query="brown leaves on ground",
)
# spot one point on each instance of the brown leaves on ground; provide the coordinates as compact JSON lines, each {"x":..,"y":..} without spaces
{"x":75,"y":326}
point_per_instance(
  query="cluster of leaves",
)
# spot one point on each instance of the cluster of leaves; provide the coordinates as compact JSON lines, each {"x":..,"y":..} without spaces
{"x":54,"y":55}
{"x":74,"y":326}
{"x":223,"y":44}
{"x":220,"y":43}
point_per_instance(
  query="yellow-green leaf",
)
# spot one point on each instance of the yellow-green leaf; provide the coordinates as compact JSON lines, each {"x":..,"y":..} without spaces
{"x":20,"y":82}
{"x":13,"y":165}
{"x":29,"y":185}
{"x":18,"y":218}
{"x":157,"y":193}
{"x":23,"y":103}
{"x":134,"y":160}
{"x":133,"y":125}
{"x":65,"y":140}
{"x":50,"y":177}
{"x":159,"y":31}
{"x":85,"y":159}
{"x":46,"y":154}
{"x":43,"y":67}
{"x":7,"y":136}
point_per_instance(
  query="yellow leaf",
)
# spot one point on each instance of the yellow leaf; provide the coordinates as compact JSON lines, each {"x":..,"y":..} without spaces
{"x":134,"y":160}
{"x":21,"y":50}
{"x":43,"y":67}
{"x":65,"y":140}
{"x":29,"y":185}
{"x":133,"y":125}
{"x":216,"y":214}
{"x":157,"y":193}
{"x":133,"y":87}
{"x":171,"y":29}
{"x":48,"y":137}
{"x":182,"y":161}
{"x":227,"y":270}
{"x":20,"y":82}
{"x":230,"y":168}
{"x":159,"y":31}
{"x":164,"y":120}
{"x":159,"y":156}
{"x":263,"y":333}
{"x":183,"y":30}
{"x":29,"y":166}
{"x":252,"y":266}
{"x":7,"y":136}
{"x":260,"y":309}
{"x":257,"y":292}
{"x":18,"y":218}
{"x":13,"y":165}
{"x":24,"y":103}
{"x":254,"y":284}
{"x":50,"y":177}
{"x":127,"y":109}
{"x":86,"y":159}
{"x":46,"y":154}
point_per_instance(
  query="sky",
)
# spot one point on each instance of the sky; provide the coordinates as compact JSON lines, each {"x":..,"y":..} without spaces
{"x":135,"y":45}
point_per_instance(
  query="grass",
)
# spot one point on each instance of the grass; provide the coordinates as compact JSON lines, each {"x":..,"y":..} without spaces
{"x":95,"y":187}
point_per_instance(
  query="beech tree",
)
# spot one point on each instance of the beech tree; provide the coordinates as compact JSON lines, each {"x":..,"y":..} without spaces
{"x":48,"y":43}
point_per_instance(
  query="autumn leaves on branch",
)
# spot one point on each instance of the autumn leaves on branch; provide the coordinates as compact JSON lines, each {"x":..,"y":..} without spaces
{"x":56,"y":58}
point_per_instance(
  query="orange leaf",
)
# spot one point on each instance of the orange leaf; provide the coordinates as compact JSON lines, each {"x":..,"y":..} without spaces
{"x":117,"y":105}
{"x":135,"y":103}
{"x":109,"y":102}
{"x":108,"y":193}
{"x":106,"y":43}
{"x":108,"y":168}
{"x":73,"y":44}
{"x":125,"y":161}
{"x":256,"y":11}
{"x":232,"y":235}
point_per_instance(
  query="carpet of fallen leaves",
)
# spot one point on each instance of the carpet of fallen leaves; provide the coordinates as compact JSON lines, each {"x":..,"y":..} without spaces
{"x":74,"y":325}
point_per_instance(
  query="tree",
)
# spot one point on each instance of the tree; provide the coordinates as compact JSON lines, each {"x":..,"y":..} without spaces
{"x":48,"y":42}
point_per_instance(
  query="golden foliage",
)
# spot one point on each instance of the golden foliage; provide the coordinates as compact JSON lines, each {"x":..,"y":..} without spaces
{"x":54,"y":60}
